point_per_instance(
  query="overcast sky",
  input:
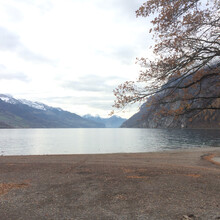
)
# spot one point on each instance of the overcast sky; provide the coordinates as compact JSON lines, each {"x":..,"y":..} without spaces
{"x":70,"y":53}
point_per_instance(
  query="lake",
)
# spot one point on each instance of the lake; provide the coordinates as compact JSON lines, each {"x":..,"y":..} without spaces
{"x":99,"y":140}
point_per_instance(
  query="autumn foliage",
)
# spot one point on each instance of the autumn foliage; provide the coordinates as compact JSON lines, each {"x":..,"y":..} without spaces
{"x":187,"y":52}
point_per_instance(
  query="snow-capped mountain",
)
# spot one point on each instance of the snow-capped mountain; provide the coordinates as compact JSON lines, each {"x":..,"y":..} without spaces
{"x":8,"y":99}
{"x":20,"y":113}
{"x":37,"y":105}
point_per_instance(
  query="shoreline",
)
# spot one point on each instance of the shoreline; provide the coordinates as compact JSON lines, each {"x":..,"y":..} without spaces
{"x":152,"y":185}
{"x":193,"y":149}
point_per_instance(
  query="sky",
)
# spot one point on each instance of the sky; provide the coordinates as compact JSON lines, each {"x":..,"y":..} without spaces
{"x":71,"y":53}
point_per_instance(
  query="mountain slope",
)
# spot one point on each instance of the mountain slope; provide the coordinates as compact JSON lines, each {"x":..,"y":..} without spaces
{"x":26,"y":114}
{"x":151,"y":117}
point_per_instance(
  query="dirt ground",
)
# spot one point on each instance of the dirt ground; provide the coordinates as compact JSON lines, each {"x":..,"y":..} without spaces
{"x":167,"y":185}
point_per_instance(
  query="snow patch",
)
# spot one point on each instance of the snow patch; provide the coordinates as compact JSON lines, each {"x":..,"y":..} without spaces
{"x":8,"y":99}
{"x":36,"y":105}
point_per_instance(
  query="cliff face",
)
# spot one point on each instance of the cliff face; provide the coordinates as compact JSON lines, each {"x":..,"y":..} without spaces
{"x":151,"y":117}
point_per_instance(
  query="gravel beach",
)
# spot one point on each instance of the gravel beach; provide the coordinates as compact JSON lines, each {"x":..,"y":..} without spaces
{"x":167,"y":185}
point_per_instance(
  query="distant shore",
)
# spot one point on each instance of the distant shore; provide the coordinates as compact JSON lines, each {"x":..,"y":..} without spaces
{"x":167,"y":185}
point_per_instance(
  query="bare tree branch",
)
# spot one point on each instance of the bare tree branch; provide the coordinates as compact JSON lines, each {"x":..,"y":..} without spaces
{"x":187,"y":54}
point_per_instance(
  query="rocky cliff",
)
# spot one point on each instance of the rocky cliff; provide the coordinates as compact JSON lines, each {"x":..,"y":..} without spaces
{"x":150,"y":116}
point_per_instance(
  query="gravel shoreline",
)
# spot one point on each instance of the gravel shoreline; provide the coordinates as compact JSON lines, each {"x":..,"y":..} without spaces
{"x":173,"y":185}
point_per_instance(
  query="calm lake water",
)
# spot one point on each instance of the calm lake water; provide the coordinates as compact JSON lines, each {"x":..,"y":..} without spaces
{"x":89,"y":141}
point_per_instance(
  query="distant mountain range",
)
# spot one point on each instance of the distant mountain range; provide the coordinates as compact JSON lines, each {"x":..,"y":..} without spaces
{"x":20,"y":113}
{"x":112,"y":122}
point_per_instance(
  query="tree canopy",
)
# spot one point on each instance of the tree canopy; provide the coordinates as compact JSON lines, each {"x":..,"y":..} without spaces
{"x":187,"y":51}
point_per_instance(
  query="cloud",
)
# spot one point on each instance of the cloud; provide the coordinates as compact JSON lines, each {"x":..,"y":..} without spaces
{"x":10,"y":41}
{"x":93,"y":83}
{"x":84,"y":37}
{"x":126,"y":8}
{"x":13,"y":13}
{"x":5,"y":75}
{"x":30,"y":56}
{"x":78,"y":100}
{"x":43,"y":5}
{"x":103,"y":102}
{"x":125,"y":54}
{"x":14,"y":76}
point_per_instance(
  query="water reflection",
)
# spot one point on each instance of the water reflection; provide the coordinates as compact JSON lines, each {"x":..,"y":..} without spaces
{"x":87,"y":141}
